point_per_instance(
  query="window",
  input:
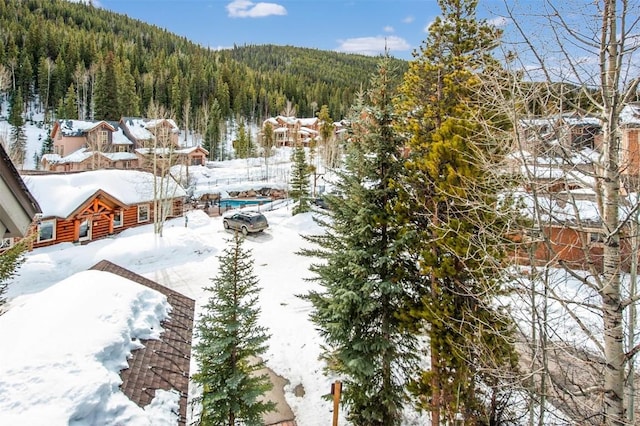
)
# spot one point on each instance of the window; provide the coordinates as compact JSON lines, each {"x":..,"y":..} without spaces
{"x":85,"y":230}
{"x":6,"y":243}
{"x":117,"y":219}
{"x":103,"y":138}
{"x":47,"y":230}
{"x":596,"y":237}
{"x":143,"y":213}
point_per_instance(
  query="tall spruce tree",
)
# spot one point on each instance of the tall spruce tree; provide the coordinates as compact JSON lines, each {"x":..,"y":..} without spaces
{"x":300,"y":174}
{"x":230,"y":343}
{"x":366,"y":274}
{"x":106,"y":95}
{"x":450,"y":202}
{"x":18,"y":139}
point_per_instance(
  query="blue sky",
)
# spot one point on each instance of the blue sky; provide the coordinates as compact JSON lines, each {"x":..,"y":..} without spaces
{"x":351,"y":26}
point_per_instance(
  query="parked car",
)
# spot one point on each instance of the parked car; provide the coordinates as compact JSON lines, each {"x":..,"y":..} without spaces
{"x":246,"y":222}
{"x":321,"y":202}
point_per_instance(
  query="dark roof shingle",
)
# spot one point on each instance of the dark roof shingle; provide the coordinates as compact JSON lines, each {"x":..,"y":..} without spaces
{"x":164,"y":363}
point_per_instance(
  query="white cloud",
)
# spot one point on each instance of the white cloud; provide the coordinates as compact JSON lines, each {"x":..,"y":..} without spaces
{"x":388,"y":29}
{"x":499,"y":21}
{"x":373,"y":45}
{"x":248,"y":9}
{"x":408,"y":19}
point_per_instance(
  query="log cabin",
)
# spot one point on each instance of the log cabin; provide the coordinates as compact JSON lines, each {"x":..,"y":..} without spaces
{"x":86,"y":206}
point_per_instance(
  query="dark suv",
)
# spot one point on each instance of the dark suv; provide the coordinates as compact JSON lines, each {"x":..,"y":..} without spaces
{"x":246,"y":222}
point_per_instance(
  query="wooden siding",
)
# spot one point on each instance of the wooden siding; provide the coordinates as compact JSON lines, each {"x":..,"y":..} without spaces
{"x":101,"y":227}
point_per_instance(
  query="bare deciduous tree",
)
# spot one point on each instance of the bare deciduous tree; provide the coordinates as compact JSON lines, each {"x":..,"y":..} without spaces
{"x":163,"y":160}
{"x":580,"y":61}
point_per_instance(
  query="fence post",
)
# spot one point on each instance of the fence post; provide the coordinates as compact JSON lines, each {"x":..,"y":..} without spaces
{"x":336,"y":389}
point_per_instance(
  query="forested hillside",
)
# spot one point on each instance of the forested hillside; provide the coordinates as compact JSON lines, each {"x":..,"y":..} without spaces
{"x":79,"y":61}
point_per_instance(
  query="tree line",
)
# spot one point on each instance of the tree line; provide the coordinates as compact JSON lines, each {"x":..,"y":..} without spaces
{"x":426,"y":215}
{"x":79,"y":61}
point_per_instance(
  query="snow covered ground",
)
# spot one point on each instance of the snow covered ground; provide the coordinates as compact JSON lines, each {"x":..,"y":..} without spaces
{"x":184,"y":259}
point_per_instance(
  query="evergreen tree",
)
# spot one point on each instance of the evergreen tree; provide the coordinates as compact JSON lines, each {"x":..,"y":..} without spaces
{"x":18,"y":139}
{"x":129,"y":99}
{"x":106,"y":96}
{"x":230,"y":344}
{"x":367,"y":273}
{"x":300,"y":174}
{"x":10,"y":260}
{"x":212,"y":134}
{"x":242,"y":144}
{"x":451,"y":206}
{"x":47,"y":145}
{"x":69,"y":105}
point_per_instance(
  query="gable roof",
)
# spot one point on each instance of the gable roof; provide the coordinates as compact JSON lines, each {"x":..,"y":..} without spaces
{"x":74,"y":128}
{"x":630,"y":115}
{"x":60,"y":194}
{"x":164,"y":363}
{"x":18,"y":207}
{"x":141,"y":128}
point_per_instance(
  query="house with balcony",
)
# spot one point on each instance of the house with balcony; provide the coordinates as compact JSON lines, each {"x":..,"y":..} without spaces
{"x":130,"y":143}
{"x":560,"y":160}
{"x":288,"y":131}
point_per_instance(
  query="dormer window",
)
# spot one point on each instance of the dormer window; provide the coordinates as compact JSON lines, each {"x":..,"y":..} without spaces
{"x":103,"y":138}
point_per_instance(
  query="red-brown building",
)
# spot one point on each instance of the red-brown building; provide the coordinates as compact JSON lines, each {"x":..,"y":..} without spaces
{"x":130,"y":143}
{"x":85,"y":206}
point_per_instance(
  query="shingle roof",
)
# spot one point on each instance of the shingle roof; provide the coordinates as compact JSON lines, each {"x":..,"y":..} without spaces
{"x":160,"y":364}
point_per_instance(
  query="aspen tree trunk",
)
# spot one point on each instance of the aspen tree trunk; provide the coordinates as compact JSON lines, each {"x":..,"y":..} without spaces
{"x":611,"y":295}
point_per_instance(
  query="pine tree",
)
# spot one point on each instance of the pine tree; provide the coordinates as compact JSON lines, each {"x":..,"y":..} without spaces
{"x":366,"y":274}
{"x":230,"y":342}
{"x":242,"y":144}
{"x":450,"y":203}
{"x":18,"y":147}
{"x":212,"y":134}
{"x":69,"y":105}
{"x":300,"y":191}
{"x":10,"y":260}
{"x":106,"y":96}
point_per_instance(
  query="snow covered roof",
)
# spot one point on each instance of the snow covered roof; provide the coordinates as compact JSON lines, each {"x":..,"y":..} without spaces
{"x":630,"y":114}
{"x":119,"y":138}
{"x":140,"y":128}
{"x":120,"y":156}
{"x":162,"y":363}
{"x":64,"y":368}
{"x":571,"y":119}
{"x":554,"y":210}
{"x":60,"y":194}
{"x":307,"y":131}
{"x":79,"y":127}
{"x":308,"y":121}
{"x":191,"y":149}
